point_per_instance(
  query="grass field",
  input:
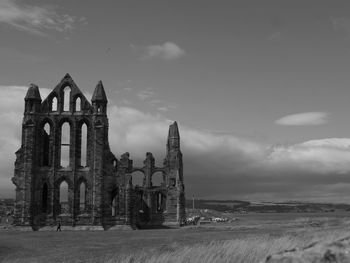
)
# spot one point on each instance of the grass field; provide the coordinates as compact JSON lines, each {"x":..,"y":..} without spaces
{"x":249,"y":239}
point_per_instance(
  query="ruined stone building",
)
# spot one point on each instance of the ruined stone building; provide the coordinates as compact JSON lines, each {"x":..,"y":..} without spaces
{"x":65,"y":148}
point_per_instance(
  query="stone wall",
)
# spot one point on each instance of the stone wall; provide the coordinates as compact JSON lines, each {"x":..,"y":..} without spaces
{"x":110,"y":199}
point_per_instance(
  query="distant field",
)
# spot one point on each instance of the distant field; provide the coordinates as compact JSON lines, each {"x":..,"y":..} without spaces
{"x":249,"y":239}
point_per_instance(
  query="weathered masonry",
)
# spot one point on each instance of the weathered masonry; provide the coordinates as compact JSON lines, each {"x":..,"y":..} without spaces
{"x":65,"y":170}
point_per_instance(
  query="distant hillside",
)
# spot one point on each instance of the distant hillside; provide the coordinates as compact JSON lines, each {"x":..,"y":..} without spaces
{"x":236,"y":206}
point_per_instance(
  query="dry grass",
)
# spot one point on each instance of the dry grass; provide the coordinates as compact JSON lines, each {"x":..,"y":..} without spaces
{"x":202,"y":245}
{"x":251,"y":249}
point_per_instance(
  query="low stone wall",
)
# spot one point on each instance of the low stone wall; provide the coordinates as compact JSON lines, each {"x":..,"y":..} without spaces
{"x":322,"y":252}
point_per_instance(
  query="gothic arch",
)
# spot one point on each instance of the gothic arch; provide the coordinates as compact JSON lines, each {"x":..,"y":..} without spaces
{"x":138,"y":177}
{"x":83,"y":134}
{"x":65,"y":119}
{"x":66,"y":98}
{"x":49,"y":121}
{"x":53,"y":102}
{"x":57,"y":194}
{"x":84,"y":121}
{"x":61,"y":179}
{"x":65,"y":140}
{"x":46,"y":142}
{"x":77,"y":103}
{"x":158,"y":178}
{"x":115,"y":202}
{"x":82,"y":185}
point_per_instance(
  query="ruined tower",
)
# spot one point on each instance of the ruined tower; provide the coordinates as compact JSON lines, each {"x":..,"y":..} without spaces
{"x":65,"y":170}
{"x":176,"y":190}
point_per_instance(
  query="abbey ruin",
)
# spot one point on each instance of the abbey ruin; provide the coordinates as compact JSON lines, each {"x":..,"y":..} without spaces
{"x":100,"y":193}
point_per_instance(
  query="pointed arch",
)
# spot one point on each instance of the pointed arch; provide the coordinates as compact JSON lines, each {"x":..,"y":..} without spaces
{"x":78,"y":104}
{"x":54,"y":104}
{"x":82,"y":196}
{"x":83,"y":148}
{"x":115,"y":202}
{"x":46,"y":143}
{"x":66,"y":98}
{"x":65,"y":144}
{"x":64,"y":197}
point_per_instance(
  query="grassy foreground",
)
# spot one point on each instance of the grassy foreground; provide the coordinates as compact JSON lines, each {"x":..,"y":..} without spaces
{"x":234,"y":251}
{"x":218,"y":243}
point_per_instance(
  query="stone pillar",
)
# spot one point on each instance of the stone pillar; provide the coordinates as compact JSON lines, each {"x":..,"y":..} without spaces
{"x":26,"y":188}
{"x":98,"y":144}
{"x":175,"y":204}
{"x":128,"y":202}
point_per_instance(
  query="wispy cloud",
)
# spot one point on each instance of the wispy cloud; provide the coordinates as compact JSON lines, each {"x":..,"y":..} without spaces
{"x":306,"y":118}
{"x":323,"y":156}
{"x":145,"y":94}
{"x":36,"y":19}
{"x":150,"y":97}
{"x":167,"y":51}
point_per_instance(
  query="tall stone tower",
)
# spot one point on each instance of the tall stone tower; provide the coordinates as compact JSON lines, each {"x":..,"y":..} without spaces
{"x":25,"y":162}
{"x":175,"y":213}
{"x":65,"y":169}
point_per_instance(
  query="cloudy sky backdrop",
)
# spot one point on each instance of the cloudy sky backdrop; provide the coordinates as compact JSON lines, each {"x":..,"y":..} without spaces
{"x":260,"y":89}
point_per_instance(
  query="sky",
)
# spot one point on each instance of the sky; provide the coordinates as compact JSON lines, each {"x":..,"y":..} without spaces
{"x":260,"y":89}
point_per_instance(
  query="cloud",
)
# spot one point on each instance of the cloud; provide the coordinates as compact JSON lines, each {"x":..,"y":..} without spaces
{"x":36,"y":19}
{"x":306,"y":118}
{"x":145,"y":94}
{"x":150,"y":97}
{"x":216,"y":165}
{"x":331,"y":155}
{"x":167,"y":51}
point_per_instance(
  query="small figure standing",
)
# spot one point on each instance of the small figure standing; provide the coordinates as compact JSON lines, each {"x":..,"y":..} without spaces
{"x":58,"y":225}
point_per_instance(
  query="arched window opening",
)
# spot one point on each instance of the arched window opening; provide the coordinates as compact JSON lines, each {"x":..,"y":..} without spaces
{"x":82,"y":197}
{"x":65,"y":144}
{"x":159,"y":202}
{"x":54,"y":104}
{"x":99,"y":109}
{"x":138,"y":178}
{"x":83,"y":148}
{"x":115,"y":205}
{"x":47,"y":128}
{"x":44,"y":198}
{"x":66,"y":98}
{"x":64,"y":205}
{"x":157,"y":179}
{"x":78,"y":104}
{"x":46,"y":145}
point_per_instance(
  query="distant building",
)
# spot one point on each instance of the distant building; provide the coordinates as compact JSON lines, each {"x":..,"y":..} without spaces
{"x":100,"y":191}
